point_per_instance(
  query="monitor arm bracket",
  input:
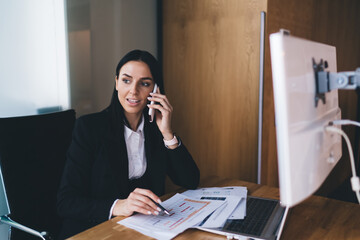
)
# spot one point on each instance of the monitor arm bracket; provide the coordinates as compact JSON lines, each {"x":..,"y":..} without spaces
{"x":326,"y":81}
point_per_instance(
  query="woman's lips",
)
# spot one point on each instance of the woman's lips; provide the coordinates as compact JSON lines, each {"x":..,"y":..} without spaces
{"x":133,"y":101}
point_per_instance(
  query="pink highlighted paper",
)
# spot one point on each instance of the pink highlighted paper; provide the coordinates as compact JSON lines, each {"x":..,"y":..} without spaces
{"x":184,"y":212}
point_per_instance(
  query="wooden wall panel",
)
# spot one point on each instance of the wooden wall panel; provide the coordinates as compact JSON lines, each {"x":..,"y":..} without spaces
{"x":296,"y":16}
{"x":335,"y":23}
{"x":339,"y":25}
{"x":211,"y":72}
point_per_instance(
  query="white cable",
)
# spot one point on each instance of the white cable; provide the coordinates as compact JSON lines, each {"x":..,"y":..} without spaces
{"x":345,"y":122}
{"x":347,"y":140}
{"x":355,"y":182}
{"x":348,"y":122}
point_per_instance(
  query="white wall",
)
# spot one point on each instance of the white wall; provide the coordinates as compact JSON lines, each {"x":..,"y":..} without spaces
{"x":33,"y":61}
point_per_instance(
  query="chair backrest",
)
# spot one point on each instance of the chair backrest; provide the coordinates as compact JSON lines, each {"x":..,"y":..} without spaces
{"x":33,"y":153}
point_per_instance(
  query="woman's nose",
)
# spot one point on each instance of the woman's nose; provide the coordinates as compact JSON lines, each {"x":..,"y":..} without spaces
{"x":134,"y":89}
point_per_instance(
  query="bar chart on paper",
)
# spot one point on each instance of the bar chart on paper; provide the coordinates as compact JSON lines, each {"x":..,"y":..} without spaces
{"x":180,"y":212}
{"x":184,"y":213}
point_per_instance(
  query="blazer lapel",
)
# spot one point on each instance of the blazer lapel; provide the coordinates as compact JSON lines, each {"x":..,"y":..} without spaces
{"x":154,"y":163}
{"x":118,"y":159}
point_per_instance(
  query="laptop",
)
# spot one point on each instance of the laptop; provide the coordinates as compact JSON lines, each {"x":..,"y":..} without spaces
{"x":6,"y":222}
{"x":4,"y":209}
{"x":262,"y":221}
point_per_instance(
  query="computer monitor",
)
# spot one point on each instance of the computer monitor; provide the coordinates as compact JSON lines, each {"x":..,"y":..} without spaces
{"x":306,"y":153}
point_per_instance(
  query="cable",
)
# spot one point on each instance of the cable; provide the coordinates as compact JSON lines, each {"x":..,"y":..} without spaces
{"x":345,"y":122}
{"x":355,"y":181}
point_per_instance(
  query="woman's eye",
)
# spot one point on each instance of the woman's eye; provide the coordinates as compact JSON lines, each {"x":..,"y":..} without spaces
{"x":126,"y":80}
{"x":145,"y":84}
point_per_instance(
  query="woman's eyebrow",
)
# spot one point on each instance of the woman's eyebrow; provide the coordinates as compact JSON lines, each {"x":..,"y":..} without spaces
{"x":143,"y":78}
{"x":127,"y":75}
{"x":146,"y":78}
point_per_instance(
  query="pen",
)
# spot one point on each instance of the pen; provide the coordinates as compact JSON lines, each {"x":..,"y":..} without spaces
{"x":161,"y":207}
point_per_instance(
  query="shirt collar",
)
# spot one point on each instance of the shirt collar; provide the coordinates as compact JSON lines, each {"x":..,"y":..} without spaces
{"x":140,"y":129}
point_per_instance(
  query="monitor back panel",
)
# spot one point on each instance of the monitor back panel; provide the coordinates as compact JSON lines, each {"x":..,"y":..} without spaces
{"x":306,"y":153}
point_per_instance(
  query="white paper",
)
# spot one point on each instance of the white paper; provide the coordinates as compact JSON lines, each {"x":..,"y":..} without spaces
{"x":184,"y":212}
{"x":237,"y":212}
{"x":218,"y":191}
{"x":240,"y":211}
{"x":219,"y":217}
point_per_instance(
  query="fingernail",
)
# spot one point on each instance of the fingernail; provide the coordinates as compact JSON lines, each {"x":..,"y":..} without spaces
{"x":149,"y":212}
{"x":151,"y":93}
{"x":156,"y":213}
{"x":149,"y":98}
{"x":159,"y":201}
{"x":159,"y":209}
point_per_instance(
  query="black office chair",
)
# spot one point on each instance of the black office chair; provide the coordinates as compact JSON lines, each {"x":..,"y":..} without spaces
{"x":33,"y":153}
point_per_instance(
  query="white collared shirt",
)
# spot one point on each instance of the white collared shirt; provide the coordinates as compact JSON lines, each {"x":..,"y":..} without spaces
{"x":135,"y":145}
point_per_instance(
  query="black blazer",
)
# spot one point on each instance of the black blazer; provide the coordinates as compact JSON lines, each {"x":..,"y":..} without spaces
{"x":96,"y":171}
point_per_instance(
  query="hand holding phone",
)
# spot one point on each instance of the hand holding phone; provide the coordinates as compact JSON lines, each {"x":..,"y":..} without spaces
{"x":152,"y":111}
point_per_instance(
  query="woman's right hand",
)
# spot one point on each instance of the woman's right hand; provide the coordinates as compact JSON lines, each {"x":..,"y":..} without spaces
{"x":137,"y":201}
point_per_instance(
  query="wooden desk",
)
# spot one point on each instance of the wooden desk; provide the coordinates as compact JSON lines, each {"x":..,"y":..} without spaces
{"x":315,"y":218}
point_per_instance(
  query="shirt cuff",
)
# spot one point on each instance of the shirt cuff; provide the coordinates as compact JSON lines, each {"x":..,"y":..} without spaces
{"x":112,"y":208}
{"x":179,"y":144}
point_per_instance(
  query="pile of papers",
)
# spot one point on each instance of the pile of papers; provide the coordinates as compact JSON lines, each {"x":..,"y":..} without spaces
{"x":205,"y":207}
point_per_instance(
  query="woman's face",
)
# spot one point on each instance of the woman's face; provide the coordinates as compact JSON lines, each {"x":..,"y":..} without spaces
{"x":134,"y":85}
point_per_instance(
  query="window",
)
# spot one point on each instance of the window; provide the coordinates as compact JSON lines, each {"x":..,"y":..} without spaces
{"x":33,"y":59}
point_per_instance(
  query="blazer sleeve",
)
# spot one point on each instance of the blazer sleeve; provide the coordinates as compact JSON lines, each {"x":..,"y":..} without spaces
{"x":74,"y":196}
{"x":182,"y":169}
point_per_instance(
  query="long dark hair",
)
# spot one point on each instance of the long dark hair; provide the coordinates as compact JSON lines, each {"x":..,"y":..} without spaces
{"x":117,"y":111}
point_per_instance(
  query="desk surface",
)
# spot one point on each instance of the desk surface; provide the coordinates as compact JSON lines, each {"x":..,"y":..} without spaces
{"x":315,"y":218}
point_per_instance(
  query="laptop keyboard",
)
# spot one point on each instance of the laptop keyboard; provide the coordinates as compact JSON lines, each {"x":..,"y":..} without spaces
{"x":258,"y":212}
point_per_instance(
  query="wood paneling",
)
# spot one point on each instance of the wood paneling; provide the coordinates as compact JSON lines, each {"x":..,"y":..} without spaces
{"x":331,"y":22}
{"x":211,"y":75}
{"x":296,"y":16}
{"x":211,"y":65}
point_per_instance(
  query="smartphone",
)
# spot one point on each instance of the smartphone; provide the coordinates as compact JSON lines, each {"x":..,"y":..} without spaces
{"x":152,"y":111}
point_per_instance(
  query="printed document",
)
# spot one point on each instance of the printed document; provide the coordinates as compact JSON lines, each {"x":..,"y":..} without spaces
{"x":234,"y":195}
{"x":185,"y":212}
{"x":220,"y":215}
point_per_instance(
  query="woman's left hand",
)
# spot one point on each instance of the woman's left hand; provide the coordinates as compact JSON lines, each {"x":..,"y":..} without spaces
{"x":163,"y":115}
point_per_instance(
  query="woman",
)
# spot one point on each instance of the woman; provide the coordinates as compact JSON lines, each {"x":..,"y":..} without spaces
{"x":117,"y":159}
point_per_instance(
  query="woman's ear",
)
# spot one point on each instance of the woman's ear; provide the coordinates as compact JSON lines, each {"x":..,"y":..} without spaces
{"x":116,"y":82}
